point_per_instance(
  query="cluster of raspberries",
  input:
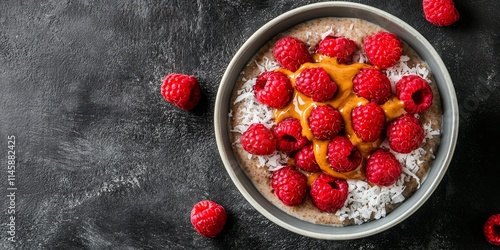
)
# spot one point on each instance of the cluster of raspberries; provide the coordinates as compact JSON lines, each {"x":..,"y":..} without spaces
{"x":274,"y":89}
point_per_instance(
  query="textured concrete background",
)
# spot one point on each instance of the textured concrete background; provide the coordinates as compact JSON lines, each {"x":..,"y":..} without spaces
{"x":105,"y":163}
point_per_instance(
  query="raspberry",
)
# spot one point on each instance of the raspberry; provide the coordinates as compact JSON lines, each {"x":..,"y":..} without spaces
{"x":342,"y":155}
{"x":383,"y":169}
{"x":289,"y":185}
{"x":258,"y":140}
{"x":181,"y":90}
{"x":305,"y":160}
{"x":289,"y":135}
{"x":340,"y":47}
{"x":329,"y":193}
{"x":440,"y":12}
{"x":291,"y":52}
{"x":273,"y":89}
{"x":383,"y":49}
{"x":325,"y":122}
{"x":208,"y":218}
{"x":415,"y":93}
{"x":368,"y":121}
{"x":373,"y":85}
{"x":316,"y":83}
{"x":405,"y":134}
{"x":492,"y":229}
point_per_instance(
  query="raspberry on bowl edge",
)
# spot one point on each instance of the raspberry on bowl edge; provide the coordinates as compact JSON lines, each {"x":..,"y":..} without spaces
{"x":208,"y":218}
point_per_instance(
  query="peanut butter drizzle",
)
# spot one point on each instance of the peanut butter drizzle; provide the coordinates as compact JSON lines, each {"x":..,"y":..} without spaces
{"x":345,"y":100}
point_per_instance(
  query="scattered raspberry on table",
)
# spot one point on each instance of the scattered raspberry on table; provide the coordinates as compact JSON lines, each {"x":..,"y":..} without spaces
{"x":181,"y":90}
{"x":208,"y":218}
{"x":440,"y":12}
{"x":492,"y":229}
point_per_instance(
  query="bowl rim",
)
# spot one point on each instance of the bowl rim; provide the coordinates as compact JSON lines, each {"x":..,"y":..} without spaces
{"x":413,"y":203}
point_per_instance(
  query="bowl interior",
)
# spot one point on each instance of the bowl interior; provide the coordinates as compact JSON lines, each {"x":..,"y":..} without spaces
{"x":386,"y":21}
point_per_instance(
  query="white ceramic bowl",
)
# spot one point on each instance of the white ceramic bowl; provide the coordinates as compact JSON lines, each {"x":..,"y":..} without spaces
{"x":386,"y":21}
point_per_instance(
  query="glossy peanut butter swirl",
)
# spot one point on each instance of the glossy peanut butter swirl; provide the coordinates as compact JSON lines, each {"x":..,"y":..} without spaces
{"x":345,"y":100}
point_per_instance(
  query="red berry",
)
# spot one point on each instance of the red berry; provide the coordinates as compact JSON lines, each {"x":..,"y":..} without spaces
{"x":290,"y":185}
{"x":273,"y":89}
{"x":368,"y":121}
{"x":383,"y":168}
{"x":289,"y":135}
{"x":291,"y":52}
{"x":208,"y":218}
{"x":405,"y":134}
{"x":181,"y":90}
{"x":325,"y":122}
{"x":340,"y":47}
{"x":492,"y":229}
{"x":415,"y":93}
{"x":373,"y":85}
{"x":316,"y":83}
{"x":440,"y":12}
{"x":305,"y":160}
{"x":342,"y":155}
{"x":258,"y":140}
{"x":329,"y":193}
{"x":383,"y":49}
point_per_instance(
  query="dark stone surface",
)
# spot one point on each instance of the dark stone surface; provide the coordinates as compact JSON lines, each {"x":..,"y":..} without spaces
{"x":105,"y":163}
